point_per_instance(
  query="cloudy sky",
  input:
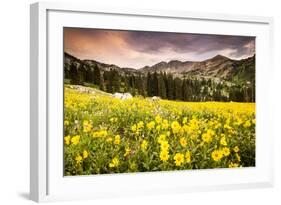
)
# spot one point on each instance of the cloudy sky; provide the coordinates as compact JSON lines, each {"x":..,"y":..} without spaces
{"x":137,"y":49}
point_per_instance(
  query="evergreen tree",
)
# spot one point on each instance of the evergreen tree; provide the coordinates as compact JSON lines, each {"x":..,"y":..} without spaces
{"x":74,"y":78}
{"x":102,"y":84}
{"x":134,"y":90}
{"x":144,"y":79}
{"x":66,"y":72}
{"x":161,"y":86}
{"x":149,"y":86}
{"x":88,"y":74}
{"x":155,"y":91}
{"x":81,"y":74}
{"x":133,"y":85}
{"x":185,"y":93}
{"x":140,"y":85}
{"x":115,"y":81}
{"x":170,"y":87}
{"x":177,"y":89}
{"x":126,"y":84}
{"x":205,"y":91}
{"x":108,"y":79}
{"x":96,"y":75}
{"x":165,"y":78}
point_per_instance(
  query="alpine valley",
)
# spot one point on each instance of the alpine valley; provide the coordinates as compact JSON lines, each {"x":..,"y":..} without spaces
{"x":215,"y":79}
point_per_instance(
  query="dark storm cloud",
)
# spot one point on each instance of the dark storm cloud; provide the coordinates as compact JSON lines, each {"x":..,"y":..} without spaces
{"x":139,"y":48}
{"x":195,"y":43}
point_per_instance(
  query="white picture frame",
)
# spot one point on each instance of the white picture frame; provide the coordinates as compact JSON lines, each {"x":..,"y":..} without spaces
{"x":47,"y":182}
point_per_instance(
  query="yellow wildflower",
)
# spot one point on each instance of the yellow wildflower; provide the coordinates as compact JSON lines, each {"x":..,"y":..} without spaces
{"x":184,"y":121}
{"x":194,"y":124}
{"x":165,"y":124}
{"x":103,"y":133}
{"x":247,"y":124}
{"x":100,"y":133}
{"x":127,"y":151}
{"x":164,"y":155}
{"x":179,"y":159}
{"x":188,"y":157}
{"x":158,"y":119}
{"x":78,"y":159}
{"x":206,"y":137}
{"x":239,"y":121}
{"x":161,"y":138}
{"x":67,"y":140}
{"x":85,"y":154}
{"x":87,"y":126}
{"x":233,"y":165}
{"x":254,"y":121}
{"x":117,"y":139}
{"x":175,"y":127}
{"x":114,"y":162}
{"x":113,"y":119}
{"x":236,"y":149}
{"x":183,"y":142}
{"x":217,"y":155}
{"x":75,"y":140}
{"x":150,"y":125}
{"x":238,"y":157}
{"x":134,"y":128}
{"x":225,"y":151}
{"x":144,"y":145}
{"x":140,"y":125}
{"x":165,"y":145}
{"x":227,"y":126}
{"x":218,"y":125}
{"x":223,"y":141}
{"x":211,"y":132}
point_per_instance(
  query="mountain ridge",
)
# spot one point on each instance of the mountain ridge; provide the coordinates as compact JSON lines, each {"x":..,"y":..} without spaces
{"x":217,"y":67}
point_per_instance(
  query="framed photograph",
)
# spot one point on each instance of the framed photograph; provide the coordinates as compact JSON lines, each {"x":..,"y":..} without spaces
{"x":127,"y":102}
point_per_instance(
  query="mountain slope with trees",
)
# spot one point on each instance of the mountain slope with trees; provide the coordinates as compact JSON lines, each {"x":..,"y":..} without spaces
{"x":215,"y":79}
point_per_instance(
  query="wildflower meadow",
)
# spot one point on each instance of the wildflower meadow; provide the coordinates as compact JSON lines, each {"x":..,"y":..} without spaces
{"x":105,"y":135}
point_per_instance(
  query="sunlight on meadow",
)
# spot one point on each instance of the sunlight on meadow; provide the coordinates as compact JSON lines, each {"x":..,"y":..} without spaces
{"x":103,"y":134}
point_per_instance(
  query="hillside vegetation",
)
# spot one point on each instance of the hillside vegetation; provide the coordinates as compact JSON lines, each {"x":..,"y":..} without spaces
{"x":215,"y":79}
